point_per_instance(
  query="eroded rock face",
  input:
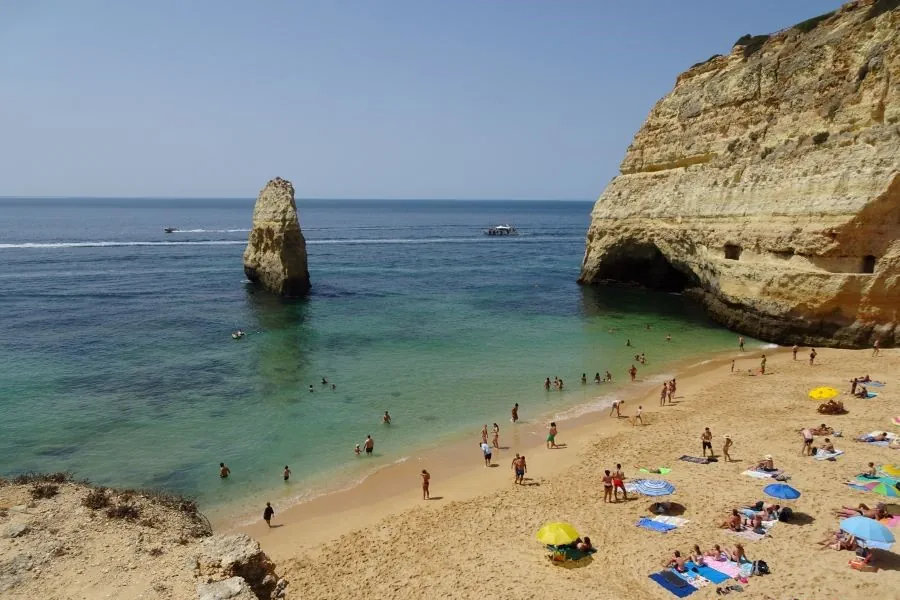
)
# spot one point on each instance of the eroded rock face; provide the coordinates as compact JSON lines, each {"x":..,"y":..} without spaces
{"x":768,"y":183}
{"x":236,"y":556}
{"x":275,"y":257}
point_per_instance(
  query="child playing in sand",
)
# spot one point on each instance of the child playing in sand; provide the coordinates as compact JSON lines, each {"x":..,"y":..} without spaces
{"x":637,"y":416}
{"x":727,"y":447}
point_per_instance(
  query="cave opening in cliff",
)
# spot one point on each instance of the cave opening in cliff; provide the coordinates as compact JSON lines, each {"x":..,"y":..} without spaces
{"x":868,"y":264}
{"x":643,"y":264}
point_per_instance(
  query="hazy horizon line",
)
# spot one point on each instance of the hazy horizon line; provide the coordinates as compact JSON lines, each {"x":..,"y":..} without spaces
{"x":2,"y":197}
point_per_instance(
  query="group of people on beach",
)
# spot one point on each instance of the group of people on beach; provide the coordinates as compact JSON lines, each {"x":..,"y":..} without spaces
{"x":557,"y":384}
{"x":613,"y":481}
{"x":678,"y":561}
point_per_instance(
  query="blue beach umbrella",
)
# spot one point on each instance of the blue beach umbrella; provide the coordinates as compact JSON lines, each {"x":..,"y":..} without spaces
{"x":654,"y":487}
{"x":781,"y":491}
{"x":867,"y":529}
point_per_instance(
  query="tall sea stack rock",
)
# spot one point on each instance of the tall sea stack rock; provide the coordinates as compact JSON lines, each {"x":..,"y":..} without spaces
{"x":767,"y":183}
{"x":275,"y":257}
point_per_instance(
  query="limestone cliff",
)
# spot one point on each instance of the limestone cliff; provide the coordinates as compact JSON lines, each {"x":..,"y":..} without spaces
{"x":275,"y":257}
{"x":768,"y":183}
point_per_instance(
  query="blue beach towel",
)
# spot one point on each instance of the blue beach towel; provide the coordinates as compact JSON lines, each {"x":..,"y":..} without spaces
{"x":716,"y":577}
{"x":679,"y":591}
{"x":655,"y":525}
{"x":873,"y":383}
{"x":871,"y":395}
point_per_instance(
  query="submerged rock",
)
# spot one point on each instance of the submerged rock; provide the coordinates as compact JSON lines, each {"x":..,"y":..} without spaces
{"x":275,"y":257}
{"x":767,"y":183}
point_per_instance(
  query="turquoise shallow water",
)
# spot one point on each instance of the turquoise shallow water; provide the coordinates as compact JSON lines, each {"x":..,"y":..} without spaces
{"x":118,"y":362}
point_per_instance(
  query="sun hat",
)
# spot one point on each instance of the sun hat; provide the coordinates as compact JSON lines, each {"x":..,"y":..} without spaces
{"x":768,"y":457}
{"x":726,"y":436}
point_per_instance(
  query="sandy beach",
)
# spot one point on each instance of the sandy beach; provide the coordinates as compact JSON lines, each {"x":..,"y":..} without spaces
{"x":476,"y":535}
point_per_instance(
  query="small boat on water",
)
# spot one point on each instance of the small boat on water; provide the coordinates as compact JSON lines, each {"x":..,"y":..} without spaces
{"x":169,"y":229}
{"x":501,"y":230}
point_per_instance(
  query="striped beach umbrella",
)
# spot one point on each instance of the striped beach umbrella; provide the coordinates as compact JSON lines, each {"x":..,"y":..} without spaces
{"x":654,"y":487}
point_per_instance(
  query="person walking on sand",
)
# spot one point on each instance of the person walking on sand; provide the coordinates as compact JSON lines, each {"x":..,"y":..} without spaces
{"x":632,"y":371}
{"x":664,"y":393}
{"x":638,"y":417}
{"x":726,"y":447}
{"x":876,"y":348}
{"x":496,"y":436}
{"x":426,"y":480}
{"x":812,"y":356}
{"x":732,"y":365}
{"x":618,"y":478}
{"x":224,"y":471}
{"x":287,"y":473}
{"x":807,"y":434}
{"x":386,"y":419}
{"x":515,"y":412}
{"x":794,"y":351}
{"x":741,"y":342}
{"x":484,"y":433}
{"x":670,"y":391}
{"x":486,"y":450}
{"x":762,"y":365}
{"x":551,"y":436}
{"x":706,"y":442}
{"x":369,"y":445}
{"x":607,"y":486}
{"x":518,"y":467}
{"x":268,"y":513}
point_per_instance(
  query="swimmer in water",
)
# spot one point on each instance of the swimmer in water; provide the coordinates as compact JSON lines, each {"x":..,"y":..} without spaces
{"x":224,"y":471}
{"x":311,"y":388}
{"x":386,"y":419}
{"x":287,"y":473}
{"x":515,"y":412}
{"x":357,"y":450}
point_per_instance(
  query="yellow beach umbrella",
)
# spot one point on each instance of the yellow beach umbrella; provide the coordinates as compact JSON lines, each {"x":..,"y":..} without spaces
{"x":557,"y":534}
{"x":892,"y":470}
{"x":823,"y":393}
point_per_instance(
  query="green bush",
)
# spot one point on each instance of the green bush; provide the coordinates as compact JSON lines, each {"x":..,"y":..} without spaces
{"x":40,"y":491}
{"x":96,"y":499}
{"x":810,"y":24}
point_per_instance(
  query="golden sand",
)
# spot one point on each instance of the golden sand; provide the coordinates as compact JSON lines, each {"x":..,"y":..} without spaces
{"x":476,"y":538}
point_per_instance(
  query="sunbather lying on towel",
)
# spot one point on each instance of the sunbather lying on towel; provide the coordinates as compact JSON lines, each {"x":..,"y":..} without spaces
{"x":878,"y":437}
{"x":838,"y":540}
{"x":822,"y":429}
{"x":733,"y":522}
{"x":876,"y":513}
{"x":768,"y":512}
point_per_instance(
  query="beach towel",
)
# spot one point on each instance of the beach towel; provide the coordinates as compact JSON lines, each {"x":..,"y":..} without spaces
{"x":708,"y":573}
{"x":827,"y":455}
{"x":646,"y":523}
{"x":871,"y":395}
{"x":570,"y":553}
{"x":681,"y":591}
{"x":725,"y":566}
{"x":674,"y":521}
{"x":891,"y":522}
{"x":890,"y":434}
{"x":874,"y":384}
{"x":696,"y":459}
{"x":662,"y":470}
{"x":694,"y":579}
{"x":750,"y":536}
{"x":763,"y":474}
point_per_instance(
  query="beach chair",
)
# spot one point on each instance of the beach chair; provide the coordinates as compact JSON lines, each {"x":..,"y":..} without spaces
{"x":863,"y":564}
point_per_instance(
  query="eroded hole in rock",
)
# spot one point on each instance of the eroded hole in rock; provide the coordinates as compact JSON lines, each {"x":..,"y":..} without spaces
{"x":868,"y":264}
{"x":732,"y":252}
{"x":644,"y":264}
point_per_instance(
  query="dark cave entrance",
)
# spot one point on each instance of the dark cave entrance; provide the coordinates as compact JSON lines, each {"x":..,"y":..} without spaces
{"x":643,"y":264}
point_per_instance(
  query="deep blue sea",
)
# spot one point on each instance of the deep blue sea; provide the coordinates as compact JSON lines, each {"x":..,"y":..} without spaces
{"x":117,"y":361}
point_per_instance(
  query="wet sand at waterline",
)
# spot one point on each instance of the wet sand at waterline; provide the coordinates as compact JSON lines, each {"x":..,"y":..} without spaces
{"x":476,"y":535}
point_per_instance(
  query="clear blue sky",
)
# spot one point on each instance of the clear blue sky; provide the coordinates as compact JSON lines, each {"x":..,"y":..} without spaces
{"x":359,"y":99}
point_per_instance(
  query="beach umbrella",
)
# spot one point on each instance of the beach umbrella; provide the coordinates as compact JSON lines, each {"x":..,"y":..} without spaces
{"x":891,"y":470}
{"x":781,"y":491}
{"x":867,"y":529}
{"x":823,"y":393}
{"x":885,"y":489}
{"x":557,"y":534}
{"x":654,"y":487}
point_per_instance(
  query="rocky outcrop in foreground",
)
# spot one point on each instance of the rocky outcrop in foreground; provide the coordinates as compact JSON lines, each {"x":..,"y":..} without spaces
{"x":62,"y":540}
{"x":275,"y":257}
{"x":768,"y":184}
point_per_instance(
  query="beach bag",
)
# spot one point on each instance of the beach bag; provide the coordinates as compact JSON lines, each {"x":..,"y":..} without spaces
{"x":785,"y":514}
{"x":760,"y":567}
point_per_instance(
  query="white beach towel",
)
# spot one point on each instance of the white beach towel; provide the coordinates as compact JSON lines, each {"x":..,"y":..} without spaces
{"x":674,"y":521}
{"x":759,"y":474}
{"x":827,"y":455}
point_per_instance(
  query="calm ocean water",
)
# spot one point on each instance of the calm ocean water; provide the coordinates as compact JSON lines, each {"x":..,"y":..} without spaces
{"x":117,"y":360}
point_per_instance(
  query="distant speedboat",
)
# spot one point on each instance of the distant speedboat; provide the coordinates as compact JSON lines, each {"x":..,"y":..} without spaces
{"x":501,"y":230}
{"x":170,"y":229}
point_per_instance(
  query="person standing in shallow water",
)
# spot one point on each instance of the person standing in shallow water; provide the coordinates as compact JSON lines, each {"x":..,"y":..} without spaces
{"x":369,"y":445}
{"x":268,"y":513}
{"x":224,"y":471}
{"x":386,"y":419}
{"x":515,"y":412}
{"x":633,"y":372}
{"x":741,"y":343}
{"x":287,"y":473}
